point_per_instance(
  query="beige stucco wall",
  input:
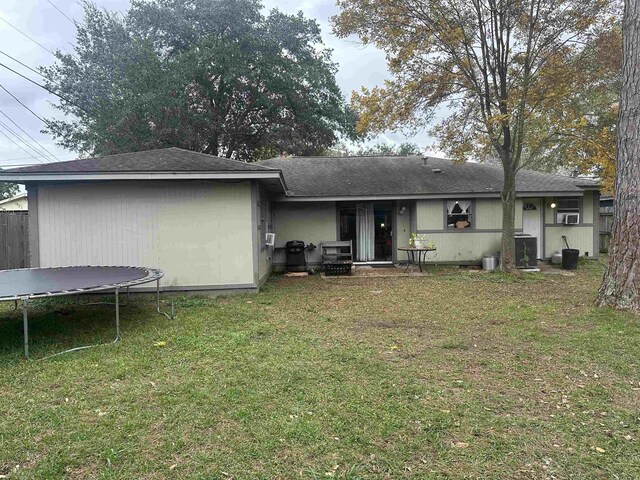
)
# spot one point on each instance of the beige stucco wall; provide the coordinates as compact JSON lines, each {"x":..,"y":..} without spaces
{"x":198,"y":233}
{"x":587,"y":208}
{"x":402,"y":230}
{"x":463,"y":247}
{"x":429,"y":215}
{"x":580,"y":237}
{"x":488,"y":214}
{"x":469,"y":245}
{"x":312,"y":222}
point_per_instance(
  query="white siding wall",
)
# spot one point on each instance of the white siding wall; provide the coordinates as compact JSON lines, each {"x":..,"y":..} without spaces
{"x":199,"y":233}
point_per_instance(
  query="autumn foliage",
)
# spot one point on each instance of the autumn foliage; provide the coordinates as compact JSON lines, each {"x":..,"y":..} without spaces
{"x":491,"y":76}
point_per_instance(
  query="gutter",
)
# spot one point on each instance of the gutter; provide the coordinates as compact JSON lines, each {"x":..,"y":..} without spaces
{"x":426,"y":196}
{"x":26,"y":177}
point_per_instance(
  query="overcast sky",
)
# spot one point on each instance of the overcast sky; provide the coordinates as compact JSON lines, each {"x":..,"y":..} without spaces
{"x":358,"y":66}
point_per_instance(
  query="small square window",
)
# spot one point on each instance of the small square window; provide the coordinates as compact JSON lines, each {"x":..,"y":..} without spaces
{"x":568,"y":206}
{"x":459,"y":214}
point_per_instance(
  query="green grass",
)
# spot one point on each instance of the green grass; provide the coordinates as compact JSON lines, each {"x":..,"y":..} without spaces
{"x":455,"y":375}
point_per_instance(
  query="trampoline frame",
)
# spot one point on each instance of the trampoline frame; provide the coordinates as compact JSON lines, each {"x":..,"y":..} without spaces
{"x":153,"y":275}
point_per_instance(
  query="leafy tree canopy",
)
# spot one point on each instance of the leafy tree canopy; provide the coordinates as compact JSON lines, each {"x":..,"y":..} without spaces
{"x":8,"y":190}
{"x":214,"y":76}
{"x":488,"y":70}
{"x":584,"y":121}
{"x":378,"y":149}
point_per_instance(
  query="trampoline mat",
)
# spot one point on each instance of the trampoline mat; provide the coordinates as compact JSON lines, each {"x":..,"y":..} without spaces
{"x":42,"y":281}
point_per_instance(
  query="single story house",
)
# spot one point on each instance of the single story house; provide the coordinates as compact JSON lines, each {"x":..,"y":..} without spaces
{"x":17,"y":203}
{"x":204,"y":219}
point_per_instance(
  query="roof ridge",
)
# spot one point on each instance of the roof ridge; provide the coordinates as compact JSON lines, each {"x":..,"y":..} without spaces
{"x":216,"y":156}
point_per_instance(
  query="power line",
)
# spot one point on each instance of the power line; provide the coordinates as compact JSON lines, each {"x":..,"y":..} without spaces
{"x":26,"y":158}
{"x":43,"y":87}
{"x":18,"y":100}
{"x":29,"y":136}
{"x":29,"y":37}
{"x":12,"y":132}
{"x":63,"y":14}
{"x":20,"y":146}
{"x":27,"y":66}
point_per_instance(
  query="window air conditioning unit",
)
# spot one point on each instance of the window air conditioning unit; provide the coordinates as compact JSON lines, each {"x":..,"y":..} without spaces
{"x":270,"y":239}
{"x":571,"y":218}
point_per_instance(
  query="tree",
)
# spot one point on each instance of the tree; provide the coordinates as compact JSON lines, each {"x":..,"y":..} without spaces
{"x":585,"y":119}
{"x":487,"y":66}
{"x":621,"y":283}
{"x":379,"y":149}
{"x":214,"y":76}
{"x":7,"y":190}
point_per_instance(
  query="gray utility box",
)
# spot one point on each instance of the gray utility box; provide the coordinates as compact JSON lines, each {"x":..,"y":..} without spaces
{"x":526,"y":251}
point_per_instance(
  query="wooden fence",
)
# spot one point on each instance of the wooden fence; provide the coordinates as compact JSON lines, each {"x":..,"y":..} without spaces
{"x":14,"y":240}
{"x":606,"y":226}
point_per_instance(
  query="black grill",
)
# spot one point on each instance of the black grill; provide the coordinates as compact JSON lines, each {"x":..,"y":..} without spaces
{"x":296,"y":258}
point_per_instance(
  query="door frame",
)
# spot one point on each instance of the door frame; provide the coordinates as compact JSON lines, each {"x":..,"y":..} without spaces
{"x":540,"y":205}
{"x":392,"y":205}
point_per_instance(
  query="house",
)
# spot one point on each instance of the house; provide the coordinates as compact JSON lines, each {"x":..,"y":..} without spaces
{"x":17,"y":203}
{"x":457,"y":206}
{"x":203,"y":219}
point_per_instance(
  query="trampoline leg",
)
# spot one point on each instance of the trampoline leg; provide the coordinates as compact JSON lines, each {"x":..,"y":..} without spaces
{"x":25,"y":321}
{"x":117,"y":318}
{"x":170,"y":317}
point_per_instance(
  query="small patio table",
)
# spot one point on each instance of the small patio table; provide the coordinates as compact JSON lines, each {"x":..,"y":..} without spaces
{"x":419,"y":253}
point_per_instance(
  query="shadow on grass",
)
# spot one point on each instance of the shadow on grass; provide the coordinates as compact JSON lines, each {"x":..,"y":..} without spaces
{"x":56,"y":326}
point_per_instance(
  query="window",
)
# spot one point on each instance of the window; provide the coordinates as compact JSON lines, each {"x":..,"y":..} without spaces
{"x":567,"y":209}
{"x":459,"y":214}
{"x":264,"y":220}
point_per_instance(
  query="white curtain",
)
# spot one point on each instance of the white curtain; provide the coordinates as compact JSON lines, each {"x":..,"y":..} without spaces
{"x":463,"y":204}
{"x":366,"y":231}
{"x":450,"y":206}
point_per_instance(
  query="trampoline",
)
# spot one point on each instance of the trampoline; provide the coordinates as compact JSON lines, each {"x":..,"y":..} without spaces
{"x":27,"y":284}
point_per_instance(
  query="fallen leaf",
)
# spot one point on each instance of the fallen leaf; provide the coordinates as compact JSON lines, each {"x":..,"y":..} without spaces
{"x":160,"y":344}
{"x":600,"y":450}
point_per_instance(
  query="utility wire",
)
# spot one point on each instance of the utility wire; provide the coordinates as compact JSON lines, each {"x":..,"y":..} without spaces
{"x":18,"y":100}
{"x":53,"y":92}
{"x":29,"y":37}
{"x":12,"y":132}
{"x":51,"y":155}
{"x":27,"y":67}
{"x":20,"y":146}
{"x":27,"y":158}
{"x":63,"y":14}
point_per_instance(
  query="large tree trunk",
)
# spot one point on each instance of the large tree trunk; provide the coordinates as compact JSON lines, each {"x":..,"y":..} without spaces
{"x":508,"y":197}
{"x":621,"y":283}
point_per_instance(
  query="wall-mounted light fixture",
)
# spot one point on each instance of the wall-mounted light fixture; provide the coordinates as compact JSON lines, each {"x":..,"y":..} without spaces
{"x":553,"y":205}
{"x":403,"y":209}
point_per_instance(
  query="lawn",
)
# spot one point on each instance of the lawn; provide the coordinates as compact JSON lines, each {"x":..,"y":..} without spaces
{"x":455,"y":375}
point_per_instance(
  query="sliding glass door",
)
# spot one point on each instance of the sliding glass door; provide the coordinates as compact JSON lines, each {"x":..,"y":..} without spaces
{"x":369,"y":227}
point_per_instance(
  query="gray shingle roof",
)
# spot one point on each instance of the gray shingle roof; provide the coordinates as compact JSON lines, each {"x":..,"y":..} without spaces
{"x":390,"y":176}
{"x":162,"y":160}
